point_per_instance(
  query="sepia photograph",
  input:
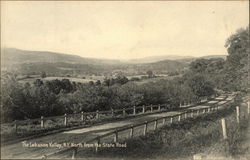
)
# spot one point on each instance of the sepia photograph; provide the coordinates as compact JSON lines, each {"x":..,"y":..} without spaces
{"x":125,"y":80}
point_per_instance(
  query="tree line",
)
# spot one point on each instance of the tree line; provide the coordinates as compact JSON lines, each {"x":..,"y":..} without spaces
{"x":50,"y":98}
{"x":56,"y":97}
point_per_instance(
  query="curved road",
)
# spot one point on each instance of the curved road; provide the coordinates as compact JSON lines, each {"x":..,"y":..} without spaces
{"x":37,"y":147}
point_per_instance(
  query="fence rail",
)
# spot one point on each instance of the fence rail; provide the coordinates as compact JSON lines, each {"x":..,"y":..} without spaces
{"x":78,"y":118}
{"x":157,"y":123}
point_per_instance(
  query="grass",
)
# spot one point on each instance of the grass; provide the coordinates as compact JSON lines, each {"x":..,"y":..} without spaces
{"x":87,"y":78}
{"x":26,"y":129}
{"x":73,"y":79}
{"x":149,"y":80}
{"x":181,"y":140}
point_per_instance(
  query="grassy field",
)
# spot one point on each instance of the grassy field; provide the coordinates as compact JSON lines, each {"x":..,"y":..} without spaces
{"x":83,"y":79}
{"x":86,"y":78}
{"x":148,"y":80}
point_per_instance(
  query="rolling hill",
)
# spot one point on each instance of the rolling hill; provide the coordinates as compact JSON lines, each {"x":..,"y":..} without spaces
{"x":153,"y":59}
{"x":12,"y":56}
{"x":58,"y":64}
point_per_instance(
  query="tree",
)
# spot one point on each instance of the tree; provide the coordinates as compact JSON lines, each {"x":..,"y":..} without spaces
{"x":200,"y":86}
{"x":12,"y":99}
{"x":66,"y":85}
{"x":121,"y":80}
{"x":38,"y":82}
{"x":98,"y":83}
{"x":150,"y":74}
{"x":237,"y":60}
{"x":43,"y":74}
{"x":91,"y":83}
{"x":212,"y":69}
{"x":199,"y":65}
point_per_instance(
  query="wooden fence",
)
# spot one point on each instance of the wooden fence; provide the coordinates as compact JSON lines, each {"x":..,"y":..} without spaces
{"x":83,"y":117}
{"x":142,"y":129}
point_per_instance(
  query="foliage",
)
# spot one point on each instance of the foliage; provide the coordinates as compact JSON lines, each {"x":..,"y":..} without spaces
{"x":120,"y":79}
{"x":56,"y":97}
{"x":230,"y":74}
{"x":200,"y":86}
{"x":150,"y":73}
{"x":135,"y":79}
{"x":43,"y":75}
{"x":237,"y":60}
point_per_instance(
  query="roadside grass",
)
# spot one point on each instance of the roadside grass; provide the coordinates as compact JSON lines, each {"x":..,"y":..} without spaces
{"x":181,"y":140}
{"x":54,"y":125}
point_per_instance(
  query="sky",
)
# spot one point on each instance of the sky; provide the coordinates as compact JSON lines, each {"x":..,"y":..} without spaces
{"x":122,"y":30}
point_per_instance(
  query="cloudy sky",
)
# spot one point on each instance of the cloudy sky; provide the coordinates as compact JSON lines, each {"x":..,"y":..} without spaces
{"x":123,"y":30}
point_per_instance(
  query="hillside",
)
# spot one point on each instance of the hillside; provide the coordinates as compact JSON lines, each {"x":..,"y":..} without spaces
{"x":214,"y":56}
{"x":153,"y":59}
{"x":12,"y":56}
{"x":58,"y":64}
{"x":34,"y":62}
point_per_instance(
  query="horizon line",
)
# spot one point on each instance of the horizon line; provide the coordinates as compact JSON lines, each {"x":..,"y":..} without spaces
{"x":124,"y":59}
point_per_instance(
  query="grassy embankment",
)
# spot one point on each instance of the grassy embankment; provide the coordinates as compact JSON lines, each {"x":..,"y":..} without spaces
{"x":184,"y":139}
{"x":56,"y":124}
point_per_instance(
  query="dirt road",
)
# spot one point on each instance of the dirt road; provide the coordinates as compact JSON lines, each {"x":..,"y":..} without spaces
{"x":37,"y":147}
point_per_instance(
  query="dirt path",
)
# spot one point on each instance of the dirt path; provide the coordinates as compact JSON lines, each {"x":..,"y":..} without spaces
{"x":20,"y":150}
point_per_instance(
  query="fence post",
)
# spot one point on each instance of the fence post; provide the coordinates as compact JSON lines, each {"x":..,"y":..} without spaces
{"x":198,"y":112}
{"x":112,"y":112}
{"x":224,"y":133}
{"x":179,"y":118}
{"x":82,"y":118}
{"x":131,"y":131}
{"x":116,"y":136}
{"x":155,"y":125}
{"x":123,"y":112}
{"x":97,"y":114}
{"x":98,"y":142}
{"x":204,"y":110}
{"x":42,"y":122}
{"x":159,"y":108}
{"x":248,"y":107}
{"x":151,"y":108}
{"x":74,"y":153}
{"x":224,"y":129}
{"x":238,"y":114}
{"x":65,"y":119}
{"x":163,"y":121}
{"x":185,"y":115}
{"x":145,"y":128}
{"x":15,"y":125}
{"x":143,"y":109}
{"x":171,"y":120}
{"x":134,"y":110}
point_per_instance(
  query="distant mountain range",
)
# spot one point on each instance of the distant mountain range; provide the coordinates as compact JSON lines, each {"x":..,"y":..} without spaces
{"x":34,"y":62}
{"x":13,"y":56}
{"x":214,"y":56}
{"x":153,"y":59}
